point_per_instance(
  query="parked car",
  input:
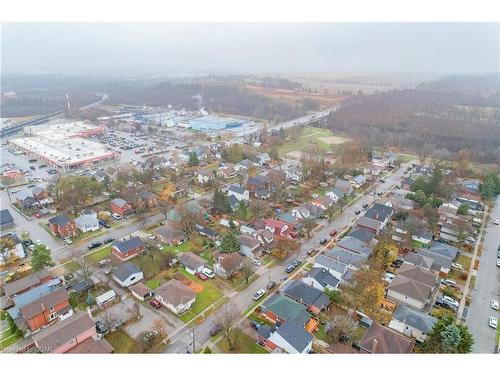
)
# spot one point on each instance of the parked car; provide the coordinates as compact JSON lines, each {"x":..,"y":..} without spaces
{"x":493,"y":322}
{"x":116,"y":216}
{"x":108,"y":240}
{"x":333,"y":233}
{"x":208,"y":273}
{"x":494,"y":304}
{"x":105,"y":193}
{"x":256,"y":262}
{"x":451,"y":301}
{"x":357,"y":212}
{"x":457,"y":266}
{"x":498,"y":262}
{"x":258,"y":294}
{"x":297,"y":263}
{"x":388,"y":276}
{"x":312,"y":252}
{"x":104,"y":262}
{"x":271,"y":285}
{"x":201,"y":276}
{"x":93,"y":245}
{"x":496,"y":222}
{"x":365,"y":205}
{"x":150,"y":236}
{"x":68,"y":241}
{"x":216,"y":329}
{"x":323,"y":241}
{"x":104,"y":224}
{"x":155,"y":304}
{"x":32,"y":167}
{"x":448,"y":282}
{"x":101,"y":327}
{"x":290,"y":268}
{"x":37,"y":215}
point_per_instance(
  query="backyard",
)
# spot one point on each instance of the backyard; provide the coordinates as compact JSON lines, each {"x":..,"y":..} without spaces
{"x":245,"y":344}
{"x":122,"y":343}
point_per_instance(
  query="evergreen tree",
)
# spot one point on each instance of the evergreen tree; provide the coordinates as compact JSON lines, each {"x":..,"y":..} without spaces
{"x":193,"y":159}
{"x":40,"y":258}
{"x":230,"y":243}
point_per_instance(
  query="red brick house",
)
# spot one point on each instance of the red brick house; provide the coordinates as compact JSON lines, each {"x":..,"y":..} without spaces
{"x":27,"y":283}
{"x":127,"y":249}
{"x":63,"y":227}
{"x":46,"y":309}
{"x":121,"y":206}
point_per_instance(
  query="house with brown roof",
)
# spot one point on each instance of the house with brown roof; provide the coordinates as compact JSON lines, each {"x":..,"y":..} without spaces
{"x":249,"y":246}
{"x":175,"y":296}
{"x":46,"y":309}
{"x":382,"y":340}
{"x":76,"y":334}
{"x":228,"y":264}
{"x":414,"y":286}
{"x":24,"y":284}
{"x":192,"y":263}
{"x":171,"y":235}
{"x":140,"y":291}
{"x":62,"y":226}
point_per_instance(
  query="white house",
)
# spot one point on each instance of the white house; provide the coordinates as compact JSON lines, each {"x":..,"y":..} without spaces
{"x":292,"y":337}
{"x":301,"y":212}
{"x":238,"y":192}
{"x":87,"y":223}
{"x":175,"y":296}
{"x":204,"y":176}
{"x":321,"y":279}
{"x":335,"y":194}
{"x":412,"y":322}
{"x":127,"y":274}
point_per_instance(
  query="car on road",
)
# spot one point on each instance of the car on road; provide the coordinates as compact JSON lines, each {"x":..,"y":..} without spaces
{"x":457,"y":266}
{"x":17,"y":190}
{"x":256,"y":262}
{"x":323,"y":241}
{"x":208,"y":273}
{"x":493,"y":322}
{"x":104,"y":224}
{"x":38,"y":242}
{"x":108,"y":240}
{"x":201,"y":276}
{"x":312,"y":252}
{"x":271,"y":285}
{"x":116,"y":216}
{"x":216,"y":329}
{"x":494,"y":304}
{"x":155,"y":304}
{"x":333,"y":233}
{"x":37,"y":215}
{"x":451,"y":301}
{"x":290,"y":268}
{"x":68,"y":241}
{"x":357,"y":212}
{"x":93,"y":245}
{"x":382,"y":180}
{"x":105,"y":193}
{"x":388,"y":277}
{"x":365,"y":205}
{"x":283,"y":279}
{"x":258,"y":295}
{"x":297,"y":263}
{"x":496,"y":222}
{"x":498,"y":262}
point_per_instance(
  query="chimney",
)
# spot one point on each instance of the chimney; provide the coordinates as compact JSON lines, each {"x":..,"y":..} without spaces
{"x":89,"y":312}
{"x":374,"y":345}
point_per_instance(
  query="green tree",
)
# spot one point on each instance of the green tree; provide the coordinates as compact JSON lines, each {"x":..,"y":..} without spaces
{"x":76,"y":192}
{"x":448,"y":337}
{"x":73,"y":299}
{"x":273,"y":153}
{"x":463,"y":209}
{"x":40,"y":258}
{"x":384,"y":253}
{"x":335,"y":296}
{"x":90,"y":299}
{"x":420,"y":198}
{"x":193,"y":159}
{"x":230,"y":243}
{"x":242,"y":211}
{"x":490,"y":188}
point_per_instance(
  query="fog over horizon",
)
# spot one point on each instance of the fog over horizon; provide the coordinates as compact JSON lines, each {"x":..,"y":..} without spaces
{"x":215,"y":48}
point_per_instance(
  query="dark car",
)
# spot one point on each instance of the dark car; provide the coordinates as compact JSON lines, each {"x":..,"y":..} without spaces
{"x":382,"y":181}
{"x":108,"y":240}
{"x":93,"y":245}
{"x":216,"y":329}
{"x":297,"y":263}
{"x":365,"y":205}
{"x":357,"y":212}
{"x":312,"y":252}
{"x":104,"y":224}
{"x":271,"y":285}
{"x":155,"y":304}
{"x":323,"y":241}
{"x":333,"y":233}
{"x":290,"y":268}
{"x":32,"y":167}
{"x":101,"y":327}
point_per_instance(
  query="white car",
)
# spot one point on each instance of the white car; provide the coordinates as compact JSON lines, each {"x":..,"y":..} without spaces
{"x":496,"y":222}
{"x":494,"y":304}
{"x":493,"y":322}
{"x":38,"y":242}
{"x":68,"y":241}
{"x":116,"y":216}
{"x":256,"y":262}
{"x":17,"y":190}
{"x":498,"y":262}
{"x":150,"y":236}
{"x":451,"y":301}
{"x":448,"y":282}
{"x":388,"y":276}
{"x":105,"y":193}
{"x":457,"y":266}
{"x":208,"y":273}
{"x":258,"y":294}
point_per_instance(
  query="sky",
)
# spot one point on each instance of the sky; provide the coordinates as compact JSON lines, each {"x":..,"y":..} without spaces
{"x":188,"y":49}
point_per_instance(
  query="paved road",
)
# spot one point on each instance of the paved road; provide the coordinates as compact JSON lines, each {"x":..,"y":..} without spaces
{"x":182,"y":340}
{"x":487,"y":287}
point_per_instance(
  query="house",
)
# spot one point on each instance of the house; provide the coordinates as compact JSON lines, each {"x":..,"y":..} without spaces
{"x":244,"y":165}
{"x":323,"y":202}
{"x":62,"y":227}
{"x":278,"y":228}
{"x":249,"y":246}
{"x":379,"y":212}
{"x":294,"y":222}
{"x":84,"y":285}
{"x":204,"y":176}
{"x":412,"y":322}
{"x":355,"y":245}
{"x":402,"y":203}
{"x":335,"y":194}
{"x":320,"y":279}
{"x":314,"y":299}
{"x":238,"y":192}
{"x":364,"y":235}
{"x":301,"y":212}
{"x":127,"y":249}
{"x":276,"y":176}
{"x":290,"y":337}
{"x":245,"y":229}
{"x":147,"y":199}
{"x":127,"y":274}
{"x":422,"y":236}
{"x":121,"y":207}
{"x":228,"y":172}
{"x":105,"y":298}
{"x":366,"y":223}
{"x":294,"y":174}
{"x":25,"y":199}
{"x":39,"y":193}
{"x":175,"y":296}
{"x":335,"y":267}
{"x":266,"y":238}
{"x":140,"y":291}
{"x":12,"y":248}
{"x":263,"y":194}
{"x":181,"y":189}
{"x":6,"y":219}
{"x":352,"y":259}
{"x":414,"y":286}
{"x":77,"y":334}
{"x":228,"y":264}
{"x":358,"y":181}
{"x":279,"y":308}
{"x":344,"y":186}
{"x":443,"y":249}
{"x":258,"y":182}
{"x":449,"y":232}
{"x":87,"y":223}
{"x":263,"y":159}
{"x":382,"y":340}
{"x":192,"y":263}
{"x":206,"y":232}
{"x":171,"y":235}
{"x":46,"y":309}
{"x":406,"y":183}
{"x":26,"y":283}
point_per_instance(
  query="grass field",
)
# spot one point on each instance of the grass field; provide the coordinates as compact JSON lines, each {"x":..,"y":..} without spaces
{"x":99,"y":255}
{"x":122,"y":343}
{"x":245,"y":344}
{"x":307,"y":136}
{"x":464,"y":261}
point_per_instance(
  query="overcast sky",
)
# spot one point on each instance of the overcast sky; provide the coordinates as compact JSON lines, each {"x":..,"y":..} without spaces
{"x":173,"y":49}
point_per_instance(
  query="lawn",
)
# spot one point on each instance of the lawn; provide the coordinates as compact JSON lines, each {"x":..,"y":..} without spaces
{"x":245,"y":344}
{"x":182,"y":248}
{"x":152,"y":263}
{"x":464,"y":261}
{"x":417,"y":245}
{"x":99,"y":255}
{"x":71,"y":266}
{"x":359,"y":332}
{"x":9,"y":340}
{"x":122,"y":343}
{"x":238,"y":282}
{"x":307,"y":136}
{"x":208,"y":296}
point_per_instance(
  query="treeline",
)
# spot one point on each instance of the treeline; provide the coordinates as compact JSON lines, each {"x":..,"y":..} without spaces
{"x":484,"y":85}
{"x":217,"y":98}
{"x":412,"y":118}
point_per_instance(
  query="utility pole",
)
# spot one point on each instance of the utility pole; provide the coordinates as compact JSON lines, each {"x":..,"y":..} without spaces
{"x":194,"y":341}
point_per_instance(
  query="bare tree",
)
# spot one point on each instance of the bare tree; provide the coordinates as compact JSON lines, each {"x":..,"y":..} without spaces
{"x":341,"y":329}
{"x":84,"y":268}
{"x":230,"y":316}
{"x":247,"y":271}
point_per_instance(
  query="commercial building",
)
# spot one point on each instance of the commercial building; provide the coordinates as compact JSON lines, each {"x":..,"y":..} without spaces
{"x":214,"y":123}
{"x":77,"y":129}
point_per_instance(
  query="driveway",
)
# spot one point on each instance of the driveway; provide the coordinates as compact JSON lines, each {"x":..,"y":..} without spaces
{"x":486,"y":288}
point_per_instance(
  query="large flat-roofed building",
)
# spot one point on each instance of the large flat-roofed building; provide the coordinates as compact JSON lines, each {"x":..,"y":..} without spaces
{"x":64,"y":153}
{"x":215,"y":123}
{"x":77,"y":129}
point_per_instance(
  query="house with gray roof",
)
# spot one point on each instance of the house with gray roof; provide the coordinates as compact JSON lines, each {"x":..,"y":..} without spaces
{"x":249,"y":246}
{"x":127,"y":249}
{"x":335,"y":267}
{"x":127,"y":274}
{"x":412,"y":322}
{"x":443,"y":249}
{"x":352,"y":259}
{"x":87,"y":223}
{"x":321,"y":279}
{"x":355,"y":245}
{"x":314,"y":299}
{"x":6,"y":219}
{"x":292,"y":337}
{"x":362,"y":234}
{"x":379,"y":212}
{"x":192,"y":263}
{"x":240,"y":193}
